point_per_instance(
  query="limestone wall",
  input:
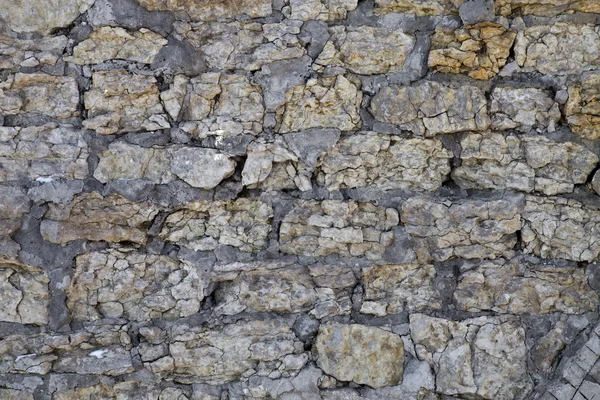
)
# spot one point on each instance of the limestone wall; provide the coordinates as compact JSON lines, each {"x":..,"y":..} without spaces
{"x":299,"y":199}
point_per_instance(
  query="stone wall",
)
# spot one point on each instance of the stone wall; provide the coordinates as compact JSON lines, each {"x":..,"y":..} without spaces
{"x":299,"y":199}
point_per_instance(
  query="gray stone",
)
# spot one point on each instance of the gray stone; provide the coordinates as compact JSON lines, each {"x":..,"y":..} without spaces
{"x":474,"y":11}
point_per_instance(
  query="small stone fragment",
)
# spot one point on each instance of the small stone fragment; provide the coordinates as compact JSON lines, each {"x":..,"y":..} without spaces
{"x":476,"y":50}
{"x":14,"y":203}
{"x":523,"y":109}
{"x":361,"y":354}
{"x":201,"y":168}
{"x":321,"y":10}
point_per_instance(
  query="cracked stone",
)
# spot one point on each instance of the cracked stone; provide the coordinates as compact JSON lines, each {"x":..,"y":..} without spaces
{"x":15,"y":53}
{"x":582,"y":109}
{"x":523,"y":109}
{"x":13,"y":205}
{"x":205,"y":10}
{"x":431,"y":108}
{"x":548,"y":8}
{"x":321,"y":10}
{"x":478,"y":51}
{"x":419,"y":7}
{"x":24,"y":295}
{"x":40,"y":16}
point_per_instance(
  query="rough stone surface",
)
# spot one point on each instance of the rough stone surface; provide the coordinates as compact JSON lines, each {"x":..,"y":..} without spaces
{"x":365,"y":355}
{"x":15,"y":53}
{"x":581,"y":109}
{"x":419,"y":7}
{"x":523,"y":109}
{"x":545,"y":7}
{"x":24,"y":294}
{"x":41,"y":16}
{"x":204,"y":10}
{"x":526,"y":163}
{"x":430,"y":108}
{"x":478,"y":51}
{"x":321,"y":10}
{"x":468,"y":229}
{"x":13,"y":206}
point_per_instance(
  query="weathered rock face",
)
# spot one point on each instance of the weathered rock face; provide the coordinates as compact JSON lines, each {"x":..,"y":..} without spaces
{"x":560,"y":228}
{"x":108,"y":43}
{"x":419,"y":7}
{"x":120,"y":102}
{"x":523,"y":109}
{"x":13,"y":206}
{"x":204,"y":10}
{"x":365,"y":355}
{"x":41,"y":16}
{"x":94,"y":217}
{"x":478,"y":51}
{"x":336,"y":227}
{"x":517,"y":288}
{"x":558,"y":49}
{"x":203,"y":226}
{"x":321,"y":10}
{"x":15,"y":53}
{"x":39,"y":95}
{"x":23,"y":294}
{"x":135,"y":286}
{"x":484,"y":356}
{"x":365,"y":50}
{"x":431,"y":108}
{"x":545,"y":7}
{"x":582,"y":110}
{"x":527,"y":163}
{"x":45,"y":152}
{"x":325,"y":103}
{"x":384,"y":161}
{"x":467,"y":229}
{"x":122,"y":390}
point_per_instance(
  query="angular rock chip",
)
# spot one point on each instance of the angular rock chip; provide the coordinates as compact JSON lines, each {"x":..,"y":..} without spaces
{"x":555,"y":227}
{"x":419,"y":7}
{"x":93,"y":217}
{"x":527,"y":163}
{"x":201,"y":168}
{"x":224,"y":105}
{"x":347,"y":228}
{"x":321,"y":10}
{"x":366,"y":50}
{"x":97,"y":349}
{"x":546,"y":8}
{"x":244,"y":45}
{"x":135,"y":286}
{"x":14,"y":203}
{"x":42,"y":153}
{"x":108,"y":43}
{"x":482,"y":357}
{"x":271,"y":166}
{"x":517,"y":287}
{"x":391,"y":289}
{"x":41,"y":16}
{"x":478,"y":51}
{"x":34,"y":95}
{"x":431,"y":108}
{"x":208,"y":10}
{"x":225,"y":354}
{"x":364,"y":355}
{"x":120,"y":102}
{"x":24,"y":295}
{"x":15,"y":53}
{"x":558,"y":49}
{"x":582,"y":109}
{"x":203,"y":226}
{"x":523,"y":109}
{"x":466,"y":228}
{"x":385,"y":162}
{"x":322,"y":103}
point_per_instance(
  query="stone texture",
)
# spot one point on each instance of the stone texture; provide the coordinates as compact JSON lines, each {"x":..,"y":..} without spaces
{"x":135,"y":286}
{"x":202,"y":226}
{"x":484,"y":357}
{"x":337,"y":227}
{"x":108,"y":43}
{"x":15,"y":53}
{"x":225,"y":354}
{"x":545,"y":7}
{"x":321,"y":10}
{"x":204,"y":10}
{"x":523,"y":109}
{"x":559,"y":49}
{"x":478,"y":51}
{"x":121,"y":390}
{"x":555,"y":227}
{"x":582,"y":110}
{"x":321,"y":103}
{"x":23,"y":294}
{"x":366,"y":50}
{"x":94,"y":217}
{"x":42,"y":153}
{"x":419,"y":7}
{"x":39,"y":95}
{"x":391,"y":289}
{"x":527,"y":163}
{"x":201,"y":168}
{"x":466,"y":228}
{"x":120,"y":102}
{"x":431,"y":108}
{"x":41,"y":16}
{"x":517,"y":287}
{"x":364,"y":355}
{"x":385,"y":162}
{"x":13,"y":205}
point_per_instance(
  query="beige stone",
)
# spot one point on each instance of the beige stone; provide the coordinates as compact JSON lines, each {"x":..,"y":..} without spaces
{"x":582,"y":109}
{"x":419,"y":7}
{"x":321,"y":103}
{"x":364,"y":355}
{"x":322,"y":10}
{"x":94,"y":217}
{"x":41,"y":16}
{"x":523,"y":109}
{"x":205,"y":10}
{"x":108,"y":43}
{"x":24,"y":295}
{"x":547,"y":8}
{"x":431,"y":108}
{"x":15,"y":53}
